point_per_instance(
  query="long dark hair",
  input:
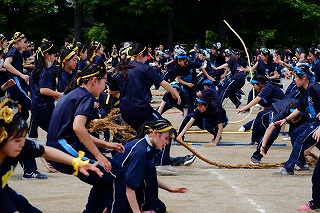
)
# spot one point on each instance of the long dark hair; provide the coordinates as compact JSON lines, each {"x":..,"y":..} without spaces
{"x":134,"y":50}
{"x":85,"y":75}
{"x":39,"y":63}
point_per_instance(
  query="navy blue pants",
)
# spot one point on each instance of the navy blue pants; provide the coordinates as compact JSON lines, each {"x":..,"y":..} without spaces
{"x":302,"y":140}
{"x":191,"y":91}
{"x":106,"y":192}
{"x":229,"y":90}
{"x":11,"y":201}
{"x":19,"y":92}
{"x":40,"y":118}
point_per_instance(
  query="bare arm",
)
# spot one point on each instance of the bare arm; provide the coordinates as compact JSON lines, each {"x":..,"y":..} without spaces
{"x":7,"y":64}
{"x":50,"y":92}
{"x":188,"y":126}
{"x":161,"y":106}
{"x":132,"y":199}
{"x":164,"y":186}
{"x":61,"y":157}
{"x":251,"y":104}
{"x":83,"y":135}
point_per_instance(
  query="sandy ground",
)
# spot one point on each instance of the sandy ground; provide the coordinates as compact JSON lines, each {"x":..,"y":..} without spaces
{"x":210,"y":189}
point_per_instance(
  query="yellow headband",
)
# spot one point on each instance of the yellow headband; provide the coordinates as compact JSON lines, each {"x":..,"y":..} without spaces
{"x":21,"y":36}
{"x":48,"y":48}
{"x":87,"y":76}
{"x":165,"y":129}
{"x":72,"y":53}
{"x":134,"y":56}
{"x":149,"y":129}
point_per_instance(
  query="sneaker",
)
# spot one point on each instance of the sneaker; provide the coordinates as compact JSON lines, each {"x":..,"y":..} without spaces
{"x":166,"y":169}
{"x":242,"y":129}
{"x":304,"y":168}
{"x":309,"y":207}
{"x":283,"y":171}
{"x":34,"y":175}
{"x":188,"y":159}
{"x":255,"y":161}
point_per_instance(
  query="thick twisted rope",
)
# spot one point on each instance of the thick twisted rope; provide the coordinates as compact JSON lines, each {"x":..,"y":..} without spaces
{"x":128,"y":133}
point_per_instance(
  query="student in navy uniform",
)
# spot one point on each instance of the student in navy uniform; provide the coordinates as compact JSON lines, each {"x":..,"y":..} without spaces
{"x":217,"y":59}
{"x":83,"y":56}
{"x":264,"y":66}
{"x":187,"y":76}
{"x":306,"y":136}
{"x":235,"y":82}
{"x":14,"y":147}
{"x":95,"y":54}
{"x":314,"y":59}
{"x":68,"y":133}
{"x":131,"y":83}
{"x":208,"y":116}
{"x":14,"y":65}
{"x":138,"y":162}
{"x":167,"y":63}
{"x":265,"y":132}
{"x":43,"y":88}
{"x":267,"y":93}
{"x":168,"y":101}
{"x":203,"y":59}
{"x":67,"y":68}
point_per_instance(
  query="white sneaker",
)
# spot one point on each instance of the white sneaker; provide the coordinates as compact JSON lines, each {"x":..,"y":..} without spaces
{"x":242,"y":129}
{"x":166,"y":169}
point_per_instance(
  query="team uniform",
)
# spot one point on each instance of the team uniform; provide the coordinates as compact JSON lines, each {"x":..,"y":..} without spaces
{"x":19,"y":92}
{"x":134,"y":102}
{"x":171,"y":102}
{"x":233,"y":85}
{"x":10,"y":200}
{"x":42,"y":106}
{"x":141,"y":176}
{"x":316,"y":69}
{"x":302,"y":136}
{"x":64,"y":79}
{"x":189,"y":75}
{"x":209,"y":119}
{"x":108,"y":191}
{"x":278,"y":111}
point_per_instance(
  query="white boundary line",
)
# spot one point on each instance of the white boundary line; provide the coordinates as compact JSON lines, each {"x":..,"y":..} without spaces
{"x":237,"y":190}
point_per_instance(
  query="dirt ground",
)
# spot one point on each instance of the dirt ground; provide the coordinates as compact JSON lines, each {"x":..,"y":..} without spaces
{"x":210,"y":189}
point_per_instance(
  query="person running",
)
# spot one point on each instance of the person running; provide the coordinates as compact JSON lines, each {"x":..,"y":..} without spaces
{"x":15,"y":147}
{"x":67,"y":132}
{"x":138,"y":161}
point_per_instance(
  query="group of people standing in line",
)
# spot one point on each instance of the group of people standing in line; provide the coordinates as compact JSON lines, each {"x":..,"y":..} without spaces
{"x":87,"y":84}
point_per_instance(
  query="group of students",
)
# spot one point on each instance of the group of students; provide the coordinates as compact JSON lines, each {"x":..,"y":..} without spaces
{"x":127,"y":182}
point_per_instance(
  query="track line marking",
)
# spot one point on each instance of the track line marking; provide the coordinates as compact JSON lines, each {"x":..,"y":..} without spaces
{"x":237,"y":190}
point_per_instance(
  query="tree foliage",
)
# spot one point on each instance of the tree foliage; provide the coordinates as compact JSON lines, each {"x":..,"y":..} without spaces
{"x":259,"y":22}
